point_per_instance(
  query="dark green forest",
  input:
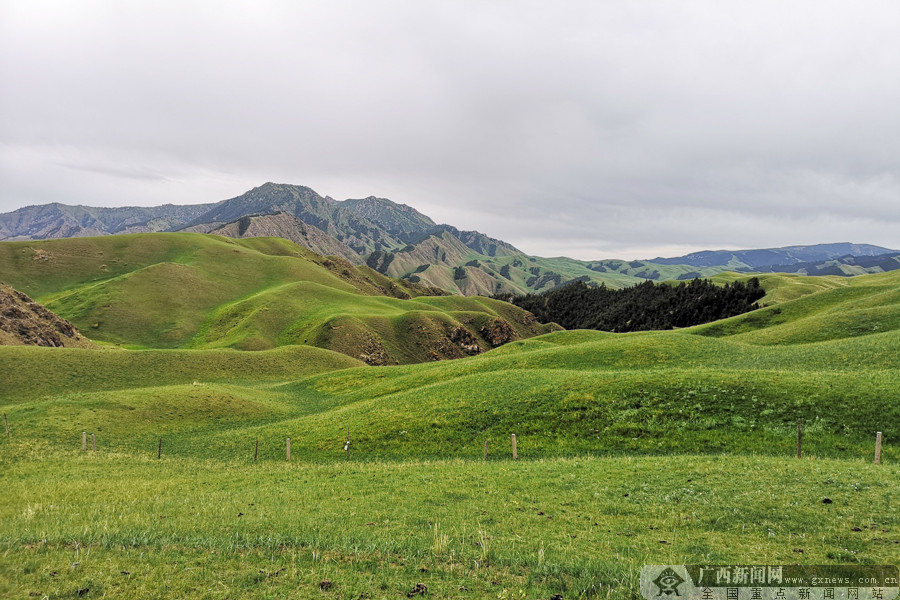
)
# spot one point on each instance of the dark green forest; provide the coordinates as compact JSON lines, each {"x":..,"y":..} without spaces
{"x":641,"y":307}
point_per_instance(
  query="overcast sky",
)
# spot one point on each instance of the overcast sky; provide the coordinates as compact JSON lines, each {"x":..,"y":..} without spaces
{"x":594,"y":129}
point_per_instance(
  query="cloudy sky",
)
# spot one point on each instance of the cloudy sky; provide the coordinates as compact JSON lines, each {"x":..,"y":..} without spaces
{"x":592,"y":129}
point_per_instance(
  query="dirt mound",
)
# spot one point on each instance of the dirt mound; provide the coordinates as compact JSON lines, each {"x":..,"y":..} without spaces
{"x":498,"y":332}
{"x":24,"y":322}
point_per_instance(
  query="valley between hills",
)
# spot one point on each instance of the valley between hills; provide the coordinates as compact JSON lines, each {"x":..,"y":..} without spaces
{"x":208,"y":348}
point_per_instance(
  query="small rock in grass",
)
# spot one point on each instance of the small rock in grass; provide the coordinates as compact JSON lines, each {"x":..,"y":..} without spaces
{"x":856,"y":529}
{"x":325,"y":585}
{"x":419,"y":590}
{"x":827,"y":500}
{"x":798,"y":550}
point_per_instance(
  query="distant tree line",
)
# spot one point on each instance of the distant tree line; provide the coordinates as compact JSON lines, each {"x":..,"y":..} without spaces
{"x":642,"y":307}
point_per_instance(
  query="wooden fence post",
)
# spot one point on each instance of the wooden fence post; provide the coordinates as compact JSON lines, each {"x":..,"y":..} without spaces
{"x":485,"y":448}
{"x":159,"y":449}
{"x":256,"y":450}
{"x":878,"y":448}
{"x":515,"y":453}
{"x":84,"y":441}
{"x":93,"y":443}
{"x":799,"y":439}
{"x":289,"y":449}
{"x":6,"y":424}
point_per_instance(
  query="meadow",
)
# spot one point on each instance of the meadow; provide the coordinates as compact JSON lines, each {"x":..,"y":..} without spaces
{"x":121,"y":525}
{"x":646,"y":448}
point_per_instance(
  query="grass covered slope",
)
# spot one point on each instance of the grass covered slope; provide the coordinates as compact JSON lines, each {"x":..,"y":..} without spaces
{"x":640,"y":393}
{"x":198,"y":291}
{"x":563,"y":393}
{"x":646,"y":448}
{"x":31,"y":373}
{"x":814,"y":309}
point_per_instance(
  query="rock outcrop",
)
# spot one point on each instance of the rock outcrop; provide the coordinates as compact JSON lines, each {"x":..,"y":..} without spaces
{"x":24,"y":322}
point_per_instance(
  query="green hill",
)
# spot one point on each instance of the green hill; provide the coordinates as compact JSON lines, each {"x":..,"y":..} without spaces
{"x":633,"y":448}
{"x":198,"y":291}
{"x":738,"y":386}
{"x":823,"y":309}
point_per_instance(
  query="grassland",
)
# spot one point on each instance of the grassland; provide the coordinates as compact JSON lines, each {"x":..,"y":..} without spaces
{"x":662,"y":447}
{"x":189,"y":290}
{"x":126,"y":526}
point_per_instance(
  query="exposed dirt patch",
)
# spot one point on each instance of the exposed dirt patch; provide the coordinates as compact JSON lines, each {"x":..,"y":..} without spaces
{"x":498,"y":332}
{"x":374,"y":353}
{"x":465,"y":341}
{"x":24,"y":322}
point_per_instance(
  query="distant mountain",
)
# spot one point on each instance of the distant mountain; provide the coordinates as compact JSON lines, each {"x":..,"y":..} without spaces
{"x":400,"y":242}
{"x":844,"y":266}
{"x":284,"y":226}
{"x":397,"y":219}
{"x":789,"y":255}
{"x":330,"y":216}
{"x":51,"y":221}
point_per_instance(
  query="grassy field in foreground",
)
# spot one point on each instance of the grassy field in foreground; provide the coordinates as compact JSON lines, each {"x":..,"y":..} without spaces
{"x":124,"y":526}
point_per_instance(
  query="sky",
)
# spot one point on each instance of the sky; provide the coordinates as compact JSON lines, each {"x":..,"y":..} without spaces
{"x":590,"y":129}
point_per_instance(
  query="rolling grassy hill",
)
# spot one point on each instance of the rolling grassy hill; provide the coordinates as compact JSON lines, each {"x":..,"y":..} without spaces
{"x":646,"y":448}
{"x":828,"y":357}
{"x":198,"y":291}
{"x":814,"y":309}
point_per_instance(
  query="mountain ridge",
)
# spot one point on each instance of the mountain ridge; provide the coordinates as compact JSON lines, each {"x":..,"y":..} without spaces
{"x":400,"y":242}
{"x":784,"y":255}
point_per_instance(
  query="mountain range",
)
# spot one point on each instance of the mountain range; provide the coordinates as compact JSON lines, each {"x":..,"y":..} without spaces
{"x":400,"y":242}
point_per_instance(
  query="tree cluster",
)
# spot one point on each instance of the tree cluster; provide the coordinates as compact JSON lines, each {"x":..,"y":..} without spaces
{"x":642,"y":307}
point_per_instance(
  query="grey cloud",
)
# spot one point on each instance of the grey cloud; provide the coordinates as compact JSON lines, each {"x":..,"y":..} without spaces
{"x":592,"y":127}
